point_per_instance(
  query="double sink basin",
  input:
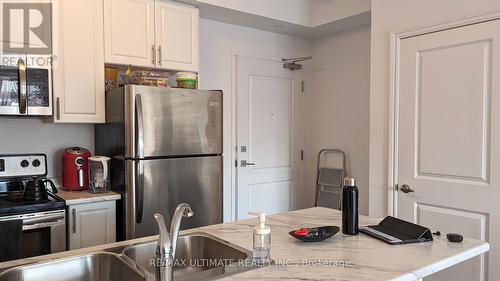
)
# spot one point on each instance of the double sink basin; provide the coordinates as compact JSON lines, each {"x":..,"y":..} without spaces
{"x":199,"y":256}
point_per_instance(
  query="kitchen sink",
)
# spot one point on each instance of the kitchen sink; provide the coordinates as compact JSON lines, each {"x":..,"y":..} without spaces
{"x":199,"y":256}
{"x":92,"y":267}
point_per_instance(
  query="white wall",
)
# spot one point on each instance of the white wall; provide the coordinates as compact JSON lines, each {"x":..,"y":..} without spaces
{"x":218,"y":43}
{"x":394,"y":16}
{"x":33,"y":135}
{"x":338,"y":106}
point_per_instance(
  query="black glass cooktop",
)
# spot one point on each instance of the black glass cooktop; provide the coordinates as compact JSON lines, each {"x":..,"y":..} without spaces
{"x":11,"y":202}
{"x":8,"y":207}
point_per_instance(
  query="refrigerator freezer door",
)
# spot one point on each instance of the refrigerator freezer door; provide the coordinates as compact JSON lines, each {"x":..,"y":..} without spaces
{"x":172,"y":122}
{"x":159,"y":185}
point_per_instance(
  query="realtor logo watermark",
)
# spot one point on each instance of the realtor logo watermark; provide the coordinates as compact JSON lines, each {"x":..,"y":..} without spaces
{"x":27,"y":28}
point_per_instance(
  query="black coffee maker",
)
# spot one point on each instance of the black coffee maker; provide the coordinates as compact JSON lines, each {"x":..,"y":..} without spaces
{"x":35,"y":190}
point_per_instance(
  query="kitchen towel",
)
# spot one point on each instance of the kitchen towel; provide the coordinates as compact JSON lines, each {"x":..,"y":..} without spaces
{"x":10,"y":244}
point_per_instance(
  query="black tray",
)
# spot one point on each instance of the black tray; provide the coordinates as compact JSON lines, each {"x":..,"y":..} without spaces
{"x":325,"y":232}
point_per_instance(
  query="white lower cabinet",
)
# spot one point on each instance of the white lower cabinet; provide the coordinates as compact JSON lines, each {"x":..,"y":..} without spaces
{"x":91,"y":224}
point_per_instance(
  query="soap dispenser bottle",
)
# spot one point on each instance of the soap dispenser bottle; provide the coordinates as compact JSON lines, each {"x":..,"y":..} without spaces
{"x":261,"y":239}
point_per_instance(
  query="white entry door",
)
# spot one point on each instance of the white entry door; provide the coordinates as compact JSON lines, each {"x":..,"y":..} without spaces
{"x":449,"y":139}
{"x":269,"y":136}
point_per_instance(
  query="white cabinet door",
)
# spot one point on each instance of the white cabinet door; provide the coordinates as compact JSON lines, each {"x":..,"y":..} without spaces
{"x":176,"y":36}
{"x":449,"y":139}
{"x":129,"y":32}
{"x":78,"y":67}
{"x":91,"y":224}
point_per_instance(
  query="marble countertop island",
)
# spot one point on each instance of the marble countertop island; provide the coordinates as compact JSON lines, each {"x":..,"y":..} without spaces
{"x":341,"y":257}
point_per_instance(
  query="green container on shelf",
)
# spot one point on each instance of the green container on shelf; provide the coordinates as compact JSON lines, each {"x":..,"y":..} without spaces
{"x":186,"y":80}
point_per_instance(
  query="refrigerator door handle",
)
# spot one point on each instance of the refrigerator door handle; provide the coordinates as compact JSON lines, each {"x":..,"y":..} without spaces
{"x":140,"y":127}
{"x":139,"y":196}
{"x":139,"y":189}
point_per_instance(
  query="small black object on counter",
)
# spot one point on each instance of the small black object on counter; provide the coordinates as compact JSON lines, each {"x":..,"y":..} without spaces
{"x":350,"y":215}
{"x":454,"y":237}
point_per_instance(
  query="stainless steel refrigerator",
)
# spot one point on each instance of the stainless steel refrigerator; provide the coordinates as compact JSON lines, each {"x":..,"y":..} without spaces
{"x":166,"y":148}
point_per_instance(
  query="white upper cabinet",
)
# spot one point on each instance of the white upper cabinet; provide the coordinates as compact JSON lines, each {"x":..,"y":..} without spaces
{"x":151,"y":33}
{"x":129,"y":32}
{"x":78,"y":67}
{"x":176,"y":36}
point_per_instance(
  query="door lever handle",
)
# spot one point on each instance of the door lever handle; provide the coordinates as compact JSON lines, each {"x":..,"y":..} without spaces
{"x":244,"y":163}
{"x":406,"y":189}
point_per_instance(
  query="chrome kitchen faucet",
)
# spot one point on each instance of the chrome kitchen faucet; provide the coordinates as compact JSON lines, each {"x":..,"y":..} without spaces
{"x":167,"y":242}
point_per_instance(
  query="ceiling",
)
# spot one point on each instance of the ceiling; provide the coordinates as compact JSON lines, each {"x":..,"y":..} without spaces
{"x":303,"y":18}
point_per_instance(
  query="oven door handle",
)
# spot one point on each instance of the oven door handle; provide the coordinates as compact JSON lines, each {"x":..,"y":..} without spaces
{"x":23,"y":86}
{"x":42,"y":219}
{"x":42,"y":224}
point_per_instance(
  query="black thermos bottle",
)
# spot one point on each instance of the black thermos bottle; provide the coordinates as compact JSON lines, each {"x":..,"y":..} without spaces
{"x":350,"y":196}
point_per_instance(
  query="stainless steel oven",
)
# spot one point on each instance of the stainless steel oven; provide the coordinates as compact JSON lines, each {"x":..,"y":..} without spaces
{"x":25,"y":85}
{"x":43,"y":232}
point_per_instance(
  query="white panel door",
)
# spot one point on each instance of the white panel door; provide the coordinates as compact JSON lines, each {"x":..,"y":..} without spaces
{"x":129,"y":32}
{"x":449,"y":139}
{"x":269,"y":136}
{"x":176,"y":36}
{"x":78,"y":69}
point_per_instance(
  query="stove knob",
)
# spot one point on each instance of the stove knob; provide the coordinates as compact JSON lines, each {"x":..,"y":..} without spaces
{"x":36,"y":163}
{"x":25,"y":163}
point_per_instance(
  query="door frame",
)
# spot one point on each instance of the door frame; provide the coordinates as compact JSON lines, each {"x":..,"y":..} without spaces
{"x":234,"y":125}
{"x":394,"y":60}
